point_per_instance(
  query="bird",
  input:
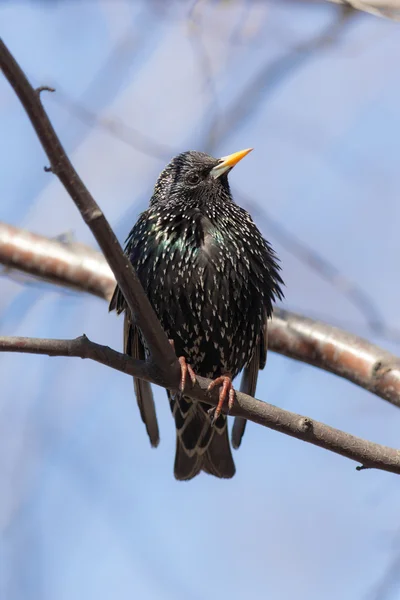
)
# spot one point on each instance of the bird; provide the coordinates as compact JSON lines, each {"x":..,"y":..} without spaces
{"x":212,"y":279}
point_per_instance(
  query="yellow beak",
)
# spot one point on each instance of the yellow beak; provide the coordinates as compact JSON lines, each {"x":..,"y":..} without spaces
{"x":228,"y":162}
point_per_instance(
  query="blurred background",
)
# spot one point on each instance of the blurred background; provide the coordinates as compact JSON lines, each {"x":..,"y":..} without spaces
{"x":87,"y":508}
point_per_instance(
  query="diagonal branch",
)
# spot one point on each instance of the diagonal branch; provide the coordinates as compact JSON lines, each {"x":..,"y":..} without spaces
{"x":160,"y":350}
{"x":369,"y":454}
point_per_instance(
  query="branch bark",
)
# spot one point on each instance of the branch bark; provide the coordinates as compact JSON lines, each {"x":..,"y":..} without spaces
{"x":337,"y":351}
{"x":369,"y":454}
{"x":68,"y":264}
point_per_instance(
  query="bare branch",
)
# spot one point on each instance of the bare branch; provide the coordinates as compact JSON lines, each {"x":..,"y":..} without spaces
{"x":381,"y":8}
{"x":337,"y":351}
{"x":369,"y":454}
{"x":325,"y":269}
{"x":161,"y":351}
{"x":122,"y":131}
{"x":71,"y":265}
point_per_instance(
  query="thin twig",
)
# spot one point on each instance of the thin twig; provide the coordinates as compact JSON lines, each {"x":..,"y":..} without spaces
{"x":122,"y":131}
{"x":271,"y":74}
{"x":360,"y":299}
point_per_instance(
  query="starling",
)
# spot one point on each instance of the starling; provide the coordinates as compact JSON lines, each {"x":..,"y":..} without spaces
{"x":212,"y":279}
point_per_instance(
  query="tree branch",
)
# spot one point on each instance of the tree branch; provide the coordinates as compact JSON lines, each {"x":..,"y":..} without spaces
{"x":354,"y":293}
{"x":160,"y":350}
{"x":369,"y":454}
{"x":337,"y":351}
{"x":381,"y":8}
{"x":67,"y":264}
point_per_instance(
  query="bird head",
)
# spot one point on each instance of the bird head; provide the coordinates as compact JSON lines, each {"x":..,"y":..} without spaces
{"x":196,"y":178}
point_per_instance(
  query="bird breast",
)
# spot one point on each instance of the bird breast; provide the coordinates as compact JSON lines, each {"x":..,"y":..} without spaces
{"x":200,"y":287}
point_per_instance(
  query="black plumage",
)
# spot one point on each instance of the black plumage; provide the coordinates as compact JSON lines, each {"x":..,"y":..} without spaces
{"x":211,"y":278}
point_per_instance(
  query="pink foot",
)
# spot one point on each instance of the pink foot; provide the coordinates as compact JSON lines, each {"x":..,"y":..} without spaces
{"x":227,"y":392}
{"x":186,"y":370}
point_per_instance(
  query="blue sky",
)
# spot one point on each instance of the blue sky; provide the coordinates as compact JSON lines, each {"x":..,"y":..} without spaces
{"x":88,"y":509}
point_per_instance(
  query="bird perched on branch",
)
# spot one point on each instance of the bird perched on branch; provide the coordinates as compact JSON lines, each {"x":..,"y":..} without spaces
{"x":212,"y":279}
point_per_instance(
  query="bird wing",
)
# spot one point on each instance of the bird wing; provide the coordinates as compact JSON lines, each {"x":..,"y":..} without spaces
{"x":133,"y":347}
{"x":248,"y":382}
{"x":263,"y":345}
{"x":114,"y":300}
{"x":144,"y":395}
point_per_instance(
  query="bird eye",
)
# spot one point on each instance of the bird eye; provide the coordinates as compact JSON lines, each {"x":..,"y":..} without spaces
{"x":193,"y":178}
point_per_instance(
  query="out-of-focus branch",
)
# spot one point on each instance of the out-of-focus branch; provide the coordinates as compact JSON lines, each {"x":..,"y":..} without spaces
{"x":67,"y":264}
{"x":204,"y":63}
{"x":381,"y":8}
{"x":325,"y":269}
{"x":307,"y":340}
{"x":160,"y":349}
{"x":270,"y":75}
{"x":122,"y":131}
{"x":368,"y":454}
{"x":337,"y":351}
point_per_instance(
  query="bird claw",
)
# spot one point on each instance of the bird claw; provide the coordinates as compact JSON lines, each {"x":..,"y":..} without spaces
{"x":227,"y":391}
{"x":186,"y":370}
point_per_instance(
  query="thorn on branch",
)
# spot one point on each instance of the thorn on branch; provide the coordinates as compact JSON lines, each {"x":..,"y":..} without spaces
{"x":44,"y":88}
{"x":48,"y":169}
{"x":362,"y":468}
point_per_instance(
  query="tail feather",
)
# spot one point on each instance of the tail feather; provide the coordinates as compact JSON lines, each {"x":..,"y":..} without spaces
{"x":186,"y":467}
{"x":218,"y":459}
{"x":199,"y":446}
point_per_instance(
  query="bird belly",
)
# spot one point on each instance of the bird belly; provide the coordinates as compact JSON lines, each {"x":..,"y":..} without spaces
{"x":215,"y":327}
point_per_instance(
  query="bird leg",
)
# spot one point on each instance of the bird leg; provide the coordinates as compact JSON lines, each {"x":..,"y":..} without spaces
{"x":227,"y":391}
{"x":186,"y":370}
